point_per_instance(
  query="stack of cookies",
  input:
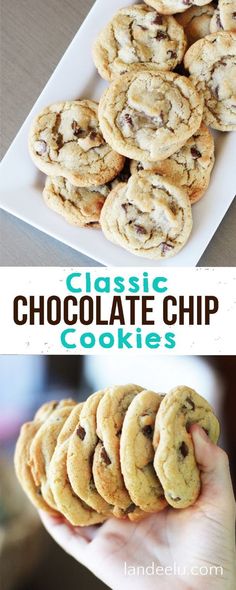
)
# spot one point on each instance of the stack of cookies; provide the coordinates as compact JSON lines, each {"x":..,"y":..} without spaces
{"x":125,"y":452}
{"x":135,"y":163}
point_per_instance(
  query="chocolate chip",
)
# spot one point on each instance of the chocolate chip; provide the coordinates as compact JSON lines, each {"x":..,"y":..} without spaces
{"x":140,"y":229}
{"x":216,"y":92}
{"x":77,"y":130}
{"x":172,"y":54}
{"x":139,"y":166}
{"x":40,"y":147}
{"x":195,"y":153}
{"x":105,"y":457}
{"x":183,"y":449}
{"x":218,"y":21}
{"x":131,"y":508}
{"x":55,"y":405}
{"x":234,"y":15}
{"x":59,"y":141}
{"x":81,"y":432}
{"x":161,"y":35}
{"x":166,"y":247}
{"x":92,"y":135}
{"x":157,"y":20}
{"x":190,"y":402}
{"x":147,"y":431}
{"x":128,"y":119}
{"x":188,"y":424}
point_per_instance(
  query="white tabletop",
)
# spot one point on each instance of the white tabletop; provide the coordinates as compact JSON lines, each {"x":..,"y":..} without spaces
{"x":35,"y":34}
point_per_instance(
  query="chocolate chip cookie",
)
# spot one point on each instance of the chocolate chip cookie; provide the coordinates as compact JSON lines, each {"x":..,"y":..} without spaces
{"x":81,"y":449}
{"x":68,"y":502}
{"x":106,"y":463}
{"x":65,"y":140}
{"x":147,"y":115}
{"x":22,"y":456}
{"x":189,"y":167}
{"x":137,"y":453}
{"x":174,"y":460}
{"x":212,"y":65}
{"x":42,"y":449}
{"x":149,"y":216}
{"x":136,"y":38}
{"x":79,"y":206}
{"x":196,"y":22}
{"x":173,"y":6}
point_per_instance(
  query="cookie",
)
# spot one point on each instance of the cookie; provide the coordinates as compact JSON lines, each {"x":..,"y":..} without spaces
{"x":137,"y":453}
{"x":42,"y":449}
{"x":196,"y":22}
{"x":79,"y":206}
{"x":190,"y":167}
{"x":149,"y":216}
{"x":174,"y":460}
{"x":70,"y":504}
{"x":22,"y":457}
{"x":136,"y":38}
{"x":65,"y":140}
{"x":212,"y":66}
{"x":173,"y":6}
{"x":148,"y":115}
{"x":81,"y":449}
{"x":106,"y":463}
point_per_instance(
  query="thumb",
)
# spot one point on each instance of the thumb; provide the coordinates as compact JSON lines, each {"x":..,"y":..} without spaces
{"x":214,"y":468}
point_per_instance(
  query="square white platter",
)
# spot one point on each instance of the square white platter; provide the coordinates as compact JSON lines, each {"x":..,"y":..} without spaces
{"x":21,"y":184}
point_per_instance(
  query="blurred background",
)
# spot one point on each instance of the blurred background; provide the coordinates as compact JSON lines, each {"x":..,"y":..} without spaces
{"x":29,"y":559}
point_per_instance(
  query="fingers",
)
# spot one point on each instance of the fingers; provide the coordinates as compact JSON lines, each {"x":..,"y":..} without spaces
{"x":214,"y":466}
{"x":73,"y":540}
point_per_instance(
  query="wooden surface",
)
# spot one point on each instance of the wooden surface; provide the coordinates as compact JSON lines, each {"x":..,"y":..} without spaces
{"x":34,"y":36}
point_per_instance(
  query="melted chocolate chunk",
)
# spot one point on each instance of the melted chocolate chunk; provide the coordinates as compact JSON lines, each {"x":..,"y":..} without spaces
{"x":166,"y":247}
{"x":128,"y":119}
{"x":81,"y":432}
{"x":140,"y":229}
{"x":158,"y":20}
{"x":59,"y":141}
{"x":76,"y":129}
{"x":161,"y":35}
{"x":171,"y":54}
{"x":195,"y":153}
{"x":139,"y":166}
{"x":147,"y":431}
{"x":105,"y":457}
{"x":234,"y":15}
{"x":183,"y":449}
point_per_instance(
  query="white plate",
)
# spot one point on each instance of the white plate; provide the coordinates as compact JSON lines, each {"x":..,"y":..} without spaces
{"x":21,"y":184}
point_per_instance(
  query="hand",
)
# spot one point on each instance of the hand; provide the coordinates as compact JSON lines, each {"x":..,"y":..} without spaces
{"x":201,"y":536}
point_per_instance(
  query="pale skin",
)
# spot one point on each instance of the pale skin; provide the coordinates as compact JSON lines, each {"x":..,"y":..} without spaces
{"x":200,"y":536}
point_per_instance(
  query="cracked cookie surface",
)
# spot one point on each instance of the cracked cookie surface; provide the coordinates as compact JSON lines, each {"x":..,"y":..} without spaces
{"x":137,"y":453}
{"x":174,"y":460}
{"x":148,"y":115}
{"x":173,"y":6}
{"x":22,"y":456}
{"x":196,"y":22}
{"x":65,"y":140}
{"x":81,"y":450}
{"x":189,"y":167}
{"x":150,"y":216}
{"x":73,"y":508}
{"x":43,"y":446}
{"x":106,"y":463}
{"x":212,"y":65}
{"x":137,"y":38}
